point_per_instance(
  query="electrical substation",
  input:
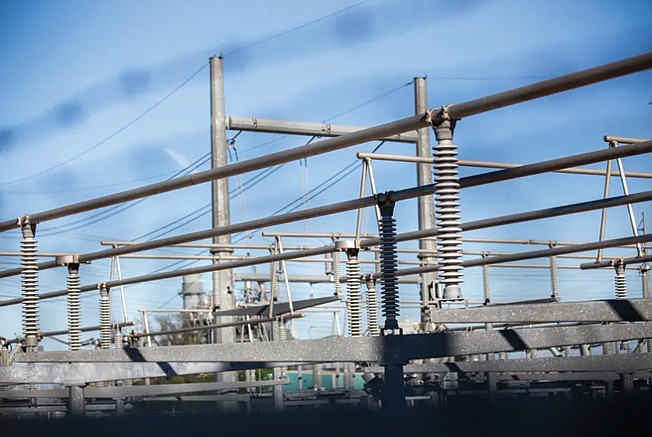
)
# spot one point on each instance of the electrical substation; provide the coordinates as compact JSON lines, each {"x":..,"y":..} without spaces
{"x":237,"y":347}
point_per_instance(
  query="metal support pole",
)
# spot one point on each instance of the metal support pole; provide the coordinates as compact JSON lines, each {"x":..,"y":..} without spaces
{"x":630,"y":211}
{"x":363,"y":187}
{"x":120,"y":407}
{"x":76,"y":407}
{"x":316,"y":376}
{"x":425,"y":205}
{"x":105,"y":317}
{"x":447,"y":202}
{"x":603,"y":216}
{"x":146,"y":328}
{"x":277,"y":372}
{"x":115,"y":261}
{"x":286,"y":279}
{"x":221,"y":215}
{"x":29,"y":283}
{"x":645,"y":279}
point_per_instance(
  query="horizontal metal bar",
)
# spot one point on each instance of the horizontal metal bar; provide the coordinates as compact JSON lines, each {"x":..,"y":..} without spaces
{"x":255,"y":124}
{"x":398,"y":348}
{"x":141,"y":390}
{"x":183,"y":272}
{"x":623,"y":140}
{"x":201,"y":245}
{"x":555,"y":164}
{"x":458,"y":111}
{"x":280,"y":308}
{"x":502,"y":165}
{"x":544,"y":253}
{"x":610,"y":262}
{"x":596,"y":363}
{"x":65,"y":331}
{"x":526,"y":216}
{"x":397,"y":158}
{"x":218,"y":326}
{"x":620,"y":310}
{"x":73,"y":373}
{"x":309,"y":279}
{"x":599,"y":375}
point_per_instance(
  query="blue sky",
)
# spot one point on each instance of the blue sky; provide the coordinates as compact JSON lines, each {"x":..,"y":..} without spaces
{"x":78,"y":80}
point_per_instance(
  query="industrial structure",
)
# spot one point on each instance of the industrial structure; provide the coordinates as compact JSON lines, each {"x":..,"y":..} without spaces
{"x":248,"y":357}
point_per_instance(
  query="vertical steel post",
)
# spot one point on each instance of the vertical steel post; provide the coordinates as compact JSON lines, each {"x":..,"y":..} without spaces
{"x":447,"y":203}
{"x":277,"y":372}
{"x":220,"y":193}
{"x":603,"y":216}
{"x":221,"y":214}
{"x":29,"y":283}
{"x":425,"y":205}
{"x":76,"y":402}
{"x":146,"y":328}
{"x":316,"y":376}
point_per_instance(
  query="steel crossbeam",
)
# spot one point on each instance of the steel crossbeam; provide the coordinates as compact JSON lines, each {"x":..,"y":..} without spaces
{"x":398,"y":348}
{"x":140,"y":390}
{"x":620,"y":310}
{"x":629,"y":363}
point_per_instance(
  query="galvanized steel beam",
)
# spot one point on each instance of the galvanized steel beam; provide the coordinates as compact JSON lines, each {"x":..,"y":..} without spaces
{"x":371,"y":349}
{"x":628,"y":363}
{"x":257,"y":124}
{"x":70,"y":373}
{"x":621,"y":310}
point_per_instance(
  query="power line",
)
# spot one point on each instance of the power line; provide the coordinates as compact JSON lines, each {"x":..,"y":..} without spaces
{"x":176,"y":89}
{"x":103,"y":215}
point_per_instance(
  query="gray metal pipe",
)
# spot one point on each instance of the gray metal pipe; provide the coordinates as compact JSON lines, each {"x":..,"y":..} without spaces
{"x":501,"y":165}
{"x":435,"y":116}
{"x":556,"y":164}
{"x":544,"y":253}
{"x":623,"y":140}
{"x":255,"y":124}
{"x":218,"y":326}
{"x":548,"y":87}
{"x":66,"y":331}
{"x":610,"y":263}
